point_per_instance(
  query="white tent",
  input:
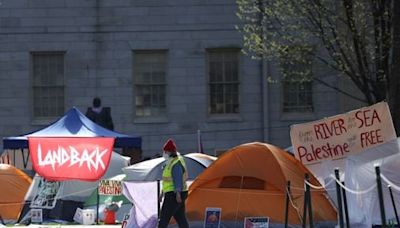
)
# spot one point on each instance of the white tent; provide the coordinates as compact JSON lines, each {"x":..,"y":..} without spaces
{"x":360,"y":177}
{"x":141,"y":185}
{"x":151,"y":170}
{"x":358,"y":173}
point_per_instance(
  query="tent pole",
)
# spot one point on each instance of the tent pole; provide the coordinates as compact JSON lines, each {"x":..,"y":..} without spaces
{"x":380,"y":195}
{"x":158,"y":199}
{"x":339,"y":199}
{"x":310,"y":214}
{"x":394,"y":205}
{"x":97,"y":205}
{"x":27,"y":158}
{"x":23,"y":157}
{"x":287,"y":204}
{"x":346,"y":209}
{"x":305,"y":206}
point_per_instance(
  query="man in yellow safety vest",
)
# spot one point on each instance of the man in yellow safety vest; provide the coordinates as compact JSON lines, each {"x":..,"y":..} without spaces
{"x":174,"y":187}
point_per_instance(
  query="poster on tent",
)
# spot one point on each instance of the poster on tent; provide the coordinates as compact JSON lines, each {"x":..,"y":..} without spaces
{"x":46,"y":194}
{"x":256,"y":222}
{"x":73,"y":158}
{"x":110,"y":188}
{"x":212,"y":218}
{"x":346,"y":134}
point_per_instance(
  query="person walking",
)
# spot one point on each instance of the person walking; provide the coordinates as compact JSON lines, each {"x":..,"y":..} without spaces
{"x":100,"y":115}
{"x":174,"y":188}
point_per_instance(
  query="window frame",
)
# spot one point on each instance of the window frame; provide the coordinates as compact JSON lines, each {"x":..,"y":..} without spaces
{"x":223,"y":116}
{"x":297,"y":113}
{"x":41,"y":120}
{"x":151,"y":118}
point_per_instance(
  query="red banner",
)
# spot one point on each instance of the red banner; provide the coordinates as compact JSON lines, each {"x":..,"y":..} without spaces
{"x":71,"y":158}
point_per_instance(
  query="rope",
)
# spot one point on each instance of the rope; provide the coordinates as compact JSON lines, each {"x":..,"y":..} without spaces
{"x":319,"y":187}
{"x":293,"y":204}
{"x":354,"y":191}
{"x":391,"y":184}
{"x":313,"y":190}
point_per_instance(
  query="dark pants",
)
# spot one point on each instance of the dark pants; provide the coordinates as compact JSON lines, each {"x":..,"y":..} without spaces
{"x":172,"y":208}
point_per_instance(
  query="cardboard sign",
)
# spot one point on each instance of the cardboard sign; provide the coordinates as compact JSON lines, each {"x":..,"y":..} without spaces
{"x":110,"y":187}
{"x":84,"y":216}
{"x":256,"y":222}
{"x":36,"y":215}
{"x":212,"y":217}
{"x":70,"y":158}
{"x":342,"y":135}
{"x":46,"y":195}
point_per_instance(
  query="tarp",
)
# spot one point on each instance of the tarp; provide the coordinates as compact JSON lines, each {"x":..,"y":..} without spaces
{"x":250,"y":180}
{"x":140,"y":186}
{"x":14,"y":185}
{"x":73,"y":124}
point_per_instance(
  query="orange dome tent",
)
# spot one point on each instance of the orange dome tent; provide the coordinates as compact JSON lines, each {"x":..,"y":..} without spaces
{"x":250,"y":180}
{"x":14,"y":185}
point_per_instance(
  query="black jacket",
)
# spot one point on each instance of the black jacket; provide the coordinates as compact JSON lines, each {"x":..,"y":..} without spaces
{"x":102,"y":118}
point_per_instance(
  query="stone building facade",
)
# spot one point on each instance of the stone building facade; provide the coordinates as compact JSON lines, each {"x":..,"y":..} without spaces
{"x":166,"y":69}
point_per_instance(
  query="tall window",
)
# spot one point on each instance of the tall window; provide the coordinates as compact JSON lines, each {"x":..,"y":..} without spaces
{"x":48,"y":84}
{"x":150,"y":82}
{"x":296,"y":66}
{"x":223,"y":73}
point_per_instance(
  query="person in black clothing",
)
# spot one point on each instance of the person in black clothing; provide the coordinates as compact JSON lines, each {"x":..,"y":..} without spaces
{"x":100,"y":115}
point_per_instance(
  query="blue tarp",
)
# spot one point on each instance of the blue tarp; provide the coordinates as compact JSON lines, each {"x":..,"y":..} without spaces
{"x":73,"y":124}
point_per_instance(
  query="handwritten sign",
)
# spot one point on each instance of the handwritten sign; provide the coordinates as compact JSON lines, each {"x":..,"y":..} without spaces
{"x":110,"y":187}
{"x":342,"y":135}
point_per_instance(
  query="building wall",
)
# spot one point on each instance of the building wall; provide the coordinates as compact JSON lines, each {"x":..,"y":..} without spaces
{"x":99,"y":38}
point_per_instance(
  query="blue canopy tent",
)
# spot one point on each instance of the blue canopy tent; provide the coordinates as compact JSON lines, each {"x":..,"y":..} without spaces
{"x":73,"y":124}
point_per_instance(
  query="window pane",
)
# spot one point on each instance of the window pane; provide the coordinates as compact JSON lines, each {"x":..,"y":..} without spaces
{"x":223,"y":81}
{"x":296,"y":68}
{"x":150,"y":82}
{"x":48,"y":84}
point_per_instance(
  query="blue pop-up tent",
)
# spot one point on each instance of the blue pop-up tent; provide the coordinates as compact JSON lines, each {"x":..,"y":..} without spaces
{"x":73,"y":124}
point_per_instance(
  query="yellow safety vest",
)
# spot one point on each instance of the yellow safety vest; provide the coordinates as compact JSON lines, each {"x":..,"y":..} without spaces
{"x":168,"y":183}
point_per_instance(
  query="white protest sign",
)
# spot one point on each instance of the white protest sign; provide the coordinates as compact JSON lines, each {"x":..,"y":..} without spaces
{"x":342,"y":135}
{"x":36,"y":215}
{"x":110,"y":187}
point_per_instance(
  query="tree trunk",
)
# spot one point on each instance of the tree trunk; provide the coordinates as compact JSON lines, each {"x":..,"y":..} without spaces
{"x":394,"y":76}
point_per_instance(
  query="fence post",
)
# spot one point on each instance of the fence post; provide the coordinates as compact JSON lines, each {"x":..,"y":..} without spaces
{"x":305,"y":206}
{"x":308,"y":191}
{"x":380,"y":195}
{"x":346,"y":209}
{"x":287,"y":204}
{"x":339,"y":199}
{"x":394,"y":206}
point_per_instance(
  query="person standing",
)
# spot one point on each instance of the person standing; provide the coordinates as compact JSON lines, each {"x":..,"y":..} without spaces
{"x":174,"y":188}
{"x":100,"y":115}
